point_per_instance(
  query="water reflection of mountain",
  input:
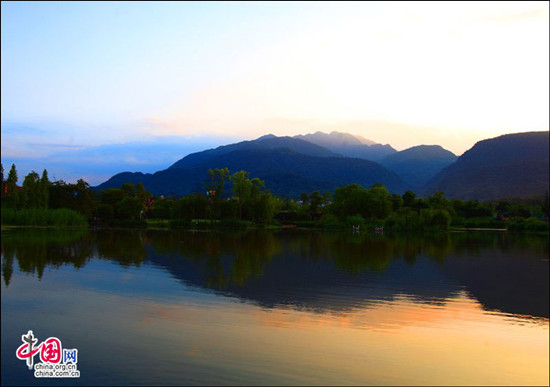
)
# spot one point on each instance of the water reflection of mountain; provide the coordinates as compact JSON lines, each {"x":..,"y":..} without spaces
{"x":335,"y":272}
{"x":309,"y":270}
{"x":512,"y":282}
{"x":317,"y":285}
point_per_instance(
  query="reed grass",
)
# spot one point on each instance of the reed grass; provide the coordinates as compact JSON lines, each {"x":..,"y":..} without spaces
{"x":41,"y":217}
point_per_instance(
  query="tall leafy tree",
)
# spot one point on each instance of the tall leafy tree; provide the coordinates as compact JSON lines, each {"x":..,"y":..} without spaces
{"x":217,"y":178}
{"x":12,"y":196}
{"x":315,"y":202}
{"x":409,"y":199}
{"x":129,"y":188}
{"x":2,"y":188}
{"x":350,"y":200}
{"x":31,"y":192}
{"x":379,"y":203}
{"x":266,"y":206}
{"x":142,"y":193}
{"x":242,"y":189}
{"x":44,"y":189}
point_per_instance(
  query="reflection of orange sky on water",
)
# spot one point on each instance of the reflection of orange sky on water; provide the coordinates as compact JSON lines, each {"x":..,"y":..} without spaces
{"x":398,"y":342}
{"x":401,"y":312}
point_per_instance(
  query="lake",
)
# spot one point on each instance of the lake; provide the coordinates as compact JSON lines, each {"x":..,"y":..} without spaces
{"x":289,"y":307}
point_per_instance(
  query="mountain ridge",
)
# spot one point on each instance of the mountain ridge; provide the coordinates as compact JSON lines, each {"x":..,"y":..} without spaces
{"x":285,"y":172}
{"x":418,"y":164}
{"x":349,"y":145}
{"x":263,"y":142}
{"x":290,"y":166}
{"x":511,"y":165}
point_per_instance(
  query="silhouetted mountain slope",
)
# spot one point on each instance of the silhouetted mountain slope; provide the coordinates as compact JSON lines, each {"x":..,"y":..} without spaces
{"x":289,"y":173}
{"x":349,"y":145}
{"x":417,"y":165}
{"x":285,"y":172}
{"x":126,"y":177}
{"x":512,"y":165}
{"x":264,"y":142}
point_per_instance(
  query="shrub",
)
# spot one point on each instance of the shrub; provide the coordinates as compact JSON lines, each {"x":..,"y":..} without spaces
{"x":436,"y":219}
{"x":355,"y":220}
{"x":329,"y":221}
{"x":395,"y":224}
{"x":529,"y":224}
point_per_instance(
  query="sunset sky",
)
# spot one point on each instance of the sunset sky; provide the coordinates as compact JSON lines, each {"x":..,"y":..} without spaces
{"x":85,"y":84}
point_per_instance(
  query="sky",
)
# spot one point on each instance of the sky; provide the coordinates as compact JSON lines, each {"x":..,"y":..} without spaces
{"x":89,"y":89}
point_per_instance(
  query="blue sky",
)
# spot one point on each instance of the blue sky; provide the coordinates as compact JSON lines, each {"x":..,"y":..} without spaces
{"x":85,"y":78}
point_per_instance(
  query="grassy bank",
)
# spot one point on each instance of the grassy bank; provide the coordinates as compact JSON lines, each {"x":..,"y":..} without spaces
{"x":42,"y":217}
{"x":204,"y":224}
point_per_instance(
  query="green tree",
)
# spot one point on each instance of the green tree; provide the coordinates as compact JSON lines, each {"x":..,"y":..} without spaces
{"x":397,"y":202}
{"x":435,"y":218}
{"x":192,"y":207}
{"x":379,"y":203}
{"x":142,"y":193}
{"x":84,"y":198}
{"x":12,"y":177}
{"x":129,"y":208}
{"x":349,"y":200}
{"x":252,"y":206}
{"x":129,"y":189}
{"x":105,"y":212}
{"x":44,"y":190}
{"x":265,"y":207}
{"x":409,"y":199}
{"x":217,"y":178}
{"x":315,"y":202}
{"x":438,"y":202}
{"x":78,"y":197}
{"x":11,"y":199}
{"x":216,"y":181}
{"x":242,"y":189}
{"x":2,"y":187}
{"x":31,"y":191}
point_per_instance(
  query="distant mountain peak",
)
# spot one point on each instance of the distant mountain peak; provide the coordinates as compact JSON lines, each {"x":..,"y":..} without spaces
{"x":268,"y":141}
{"x":418,"y":164}
{"x":266,"y":136}
{"x":349,"y":145}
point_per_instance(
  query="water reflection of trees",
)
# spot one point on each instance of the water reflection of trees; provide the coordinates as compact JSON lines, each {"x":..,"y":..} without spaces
{"x":474,"y":243}
{"x":233,"y":256}
{"x":235,"y":261}
{"x":35,"y":249}
{"x":355,"y":253}
{"x":126,"y":247}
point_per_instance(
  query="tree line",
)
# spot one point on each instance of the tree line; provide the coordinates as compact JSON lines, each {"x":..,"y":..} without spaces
{"x":236,"y":200}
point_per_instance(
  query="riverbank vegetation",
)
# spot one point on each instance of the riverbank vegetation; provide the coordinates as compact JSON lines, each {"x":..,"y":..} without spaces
{"x":240,"y":201}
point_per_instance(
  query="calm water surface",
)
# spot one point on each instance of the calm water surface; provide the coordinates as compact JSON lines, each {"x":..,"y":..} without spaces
{"x":288,"y":307}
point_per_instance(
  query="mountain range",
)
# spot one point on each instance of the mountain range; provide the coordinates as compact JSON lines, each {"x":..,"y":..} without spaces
{"x":320,"y":161}
{"x":417,"y":165}
{"x":512,"y":165}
